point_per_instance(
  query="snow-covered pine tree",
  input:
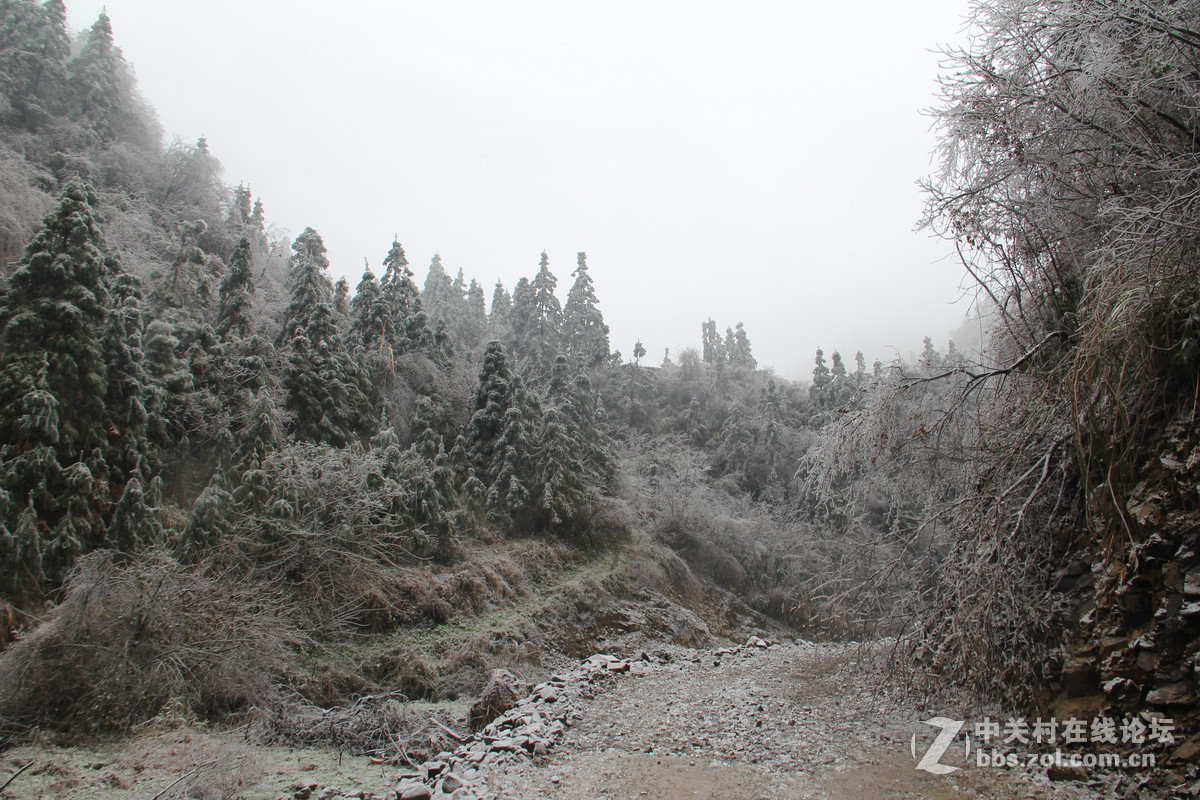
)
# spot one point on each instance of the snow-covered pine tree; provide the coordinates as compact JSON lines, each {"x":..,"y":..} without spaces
{"x":510,"y":502}
{"x":102,"y":90}
{"x":407,"y":328}
{"x":562,"y":475}
{"x":821,"y":380}
{"x":235,"y":298}
{"x":240,"y":209}
{"x":130,"y":390}
{"x":492,"y":400}
{"x":499,"y":316}
{"x":560,"y":478}
{"x":584,"y":331}
{"x":739,"y":354}
{"x":370,"y":322}
{"x":586,"y":418}
{"x":326,"y":388}
{"x":341,"y":295}
{"x":57,"y":429}
{"x":211,"y":514}
{"x":639,"y":352}
{"x":476,"y":322}
{"x":33,"y":51}
{"x":440,"y":299}
{"x":546,"y":320}
{"x":521,"y":319}
{"x":135,"y":520}
{"x":386,"y":442}
{"x":262,"y":433}
{"x":713,"y":347}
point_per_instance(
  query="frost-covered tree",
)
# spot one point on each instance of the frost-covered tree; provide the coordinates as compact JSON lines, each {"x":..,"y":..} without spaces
{"x":236,"y":296}
{"x":33,"y":52}
{"x":326,"y":388}
{"x":499,"y":316}
{"x":521,"y":318}
{"x":739,"y":349}
{"x":573,"y":457}
{"x":240,"y":208}
{"x":440,"y":299}
{"x":492,"y":401}
{"x":57,"y":431}
{"x":584,"y":330}
{"x":837,"y":369}
{"x":586,"y":417}
{"x":639,"y":352}
{"x":399,"y":290}
{"x":185,"y":285}
{"x":53,"y":315}
{"x":131,"y":395}
{"x":476,"y":322}
{"x":561,"y":472}
{"x":713,"y":348}
{"x":546,"y":316}
{"x":341,"y":298}
{"x":821,"y":373}
{"x":370,"y":318}
{"x":103,"y":91}
{"x":511,"y":501}
{"x":212,"y":514}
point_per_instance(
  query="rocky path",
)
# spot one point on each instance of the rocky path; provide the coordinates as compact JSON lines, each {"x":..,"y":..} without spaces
{"x":752,"y":722}
{"x":761,"y":723}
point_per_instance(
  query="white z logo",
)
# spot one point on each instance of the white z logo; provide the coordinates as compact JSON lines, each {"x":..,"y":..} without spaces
{"x":929,"y":761}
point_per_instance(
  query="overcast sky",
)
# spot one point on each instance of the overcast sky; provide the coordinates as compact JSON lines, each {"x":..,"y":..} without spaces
{"x":745,"y":161}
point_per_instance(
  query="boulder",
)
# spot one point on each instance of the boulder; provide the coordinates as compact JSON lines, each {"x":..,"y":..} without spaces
{"x":413,"y":791}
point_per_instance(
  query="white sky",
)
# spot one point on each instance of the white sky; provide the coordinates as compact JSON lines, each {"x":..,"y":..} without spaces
{"x":747,"y":161}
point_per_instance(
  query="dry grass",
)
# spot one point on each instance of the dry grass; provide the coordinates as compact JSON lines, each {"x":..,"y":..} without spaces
{"x":131,"y":636}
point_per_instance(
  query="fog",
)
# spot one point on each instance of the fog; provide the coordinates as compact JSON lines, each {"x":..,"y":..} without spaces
{"x":750,"y":161}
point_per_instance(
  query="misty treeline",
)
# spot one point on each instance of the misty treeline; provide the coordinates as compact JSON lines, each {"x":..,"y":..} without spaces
{"x":187,"y":400}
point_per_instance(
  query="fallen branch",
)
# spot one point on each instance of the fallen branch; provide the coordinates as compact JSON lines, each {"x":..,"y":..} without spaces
{"x":14,"y":776}
{"x":184,"y":777}
{"x":455,"y":736}
{"x":976,"y":377}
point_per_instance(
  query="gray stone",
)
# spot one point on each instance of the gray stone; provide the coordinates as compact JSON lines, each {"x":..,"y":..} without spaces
{"x":505,"y":743}
{"x":1174,"y":694}
{"x":413,"y":791}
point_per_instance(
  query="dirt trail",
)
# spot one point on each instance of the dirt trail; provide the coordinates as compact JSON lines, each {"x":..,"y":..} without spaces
{"x":791,"y":721}
{"x":776,"y":723}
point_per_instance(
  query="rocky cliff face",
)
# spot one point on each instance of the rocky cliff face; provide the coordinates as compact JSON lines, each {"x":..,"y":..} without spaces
{"x":1136,"y":599}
